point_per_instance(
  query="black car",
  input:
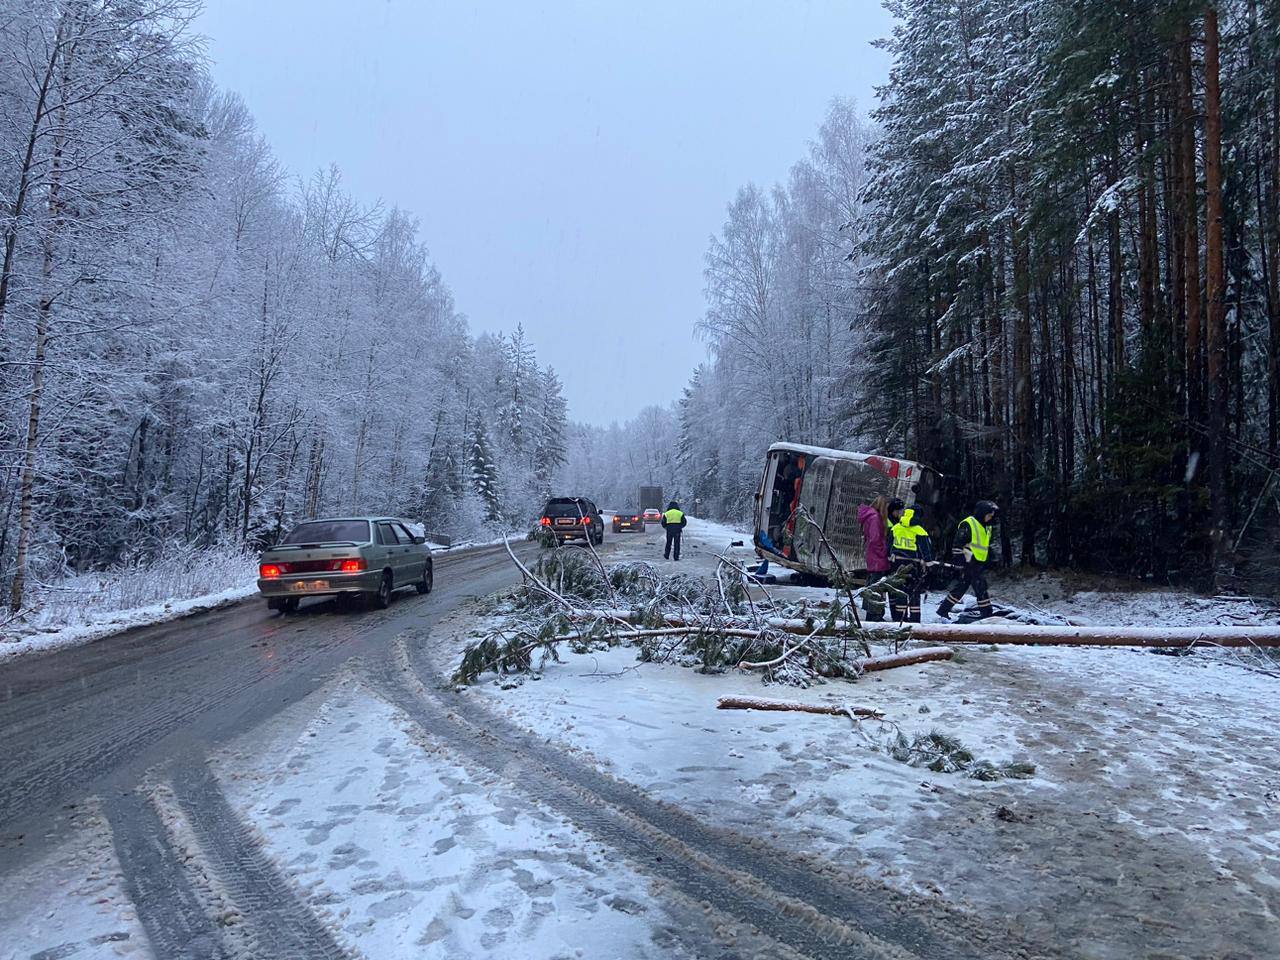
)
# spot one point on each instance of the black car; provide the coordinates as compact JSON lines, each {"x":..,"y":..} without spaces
{"x":573,"y":518}
{"x":631,"y":520}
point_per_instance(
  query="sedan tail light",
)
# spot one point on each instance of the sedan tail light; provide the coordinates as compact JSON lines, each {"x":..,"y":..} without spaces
{"x":269,"y":571}
{"x":351,"y":566}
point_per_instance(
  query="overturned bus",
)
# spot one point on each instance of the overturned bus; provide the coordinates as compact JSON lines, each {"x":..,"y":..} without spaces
{"x":807,"y":505}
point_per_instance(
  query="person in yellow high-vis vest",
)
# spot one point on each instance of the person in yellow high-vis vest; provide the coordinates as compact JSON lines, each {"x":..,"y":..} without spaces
{"x":673,"y":521}
{"x":909,"y":547}
{"x":973,"y":544}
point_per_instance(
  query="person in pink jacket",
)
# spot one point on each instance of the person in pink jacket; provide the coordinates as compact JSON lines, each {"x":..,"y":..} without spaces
{"x":875,"y":534}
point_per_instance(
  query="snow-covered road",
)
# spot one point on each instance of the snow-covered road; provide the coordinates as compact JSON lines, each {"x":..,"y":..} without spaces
{"x":345,"y":801}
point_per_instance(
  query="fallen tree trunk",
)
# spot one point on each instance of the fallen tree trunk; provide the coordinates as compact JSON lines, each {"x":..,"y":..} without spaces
{"x":1020,"y":634}
{"x":904,"y":659}
{"x":760,"y":703}
{"x":1215,"y":636}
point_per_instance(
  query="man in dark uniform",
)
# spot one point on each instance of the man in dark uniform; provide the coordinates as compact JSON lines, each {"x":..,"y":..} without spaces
{"x":673,"y":521}
{"x":910,"y":547}
{"x":973,"y":546}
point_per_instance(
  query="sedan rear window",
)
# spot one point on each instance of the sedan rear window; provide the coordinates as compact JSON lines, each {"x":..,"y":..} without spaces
{"x":330,"y":531}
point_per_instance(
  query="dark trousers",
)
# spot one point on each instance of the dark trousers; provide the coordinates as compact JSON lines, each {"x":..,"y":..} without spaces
{"x":974,"y":574}
{"x":907,"y":610}
{"x":673,"y":541}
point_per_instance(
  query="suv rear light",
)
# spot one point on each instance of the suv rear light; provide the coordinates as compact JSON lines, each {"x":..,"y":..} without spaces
{"x":350,"y":566}
{"x":586,"y":521}
{"x":268,"y":571}
{"x":545,"y":521}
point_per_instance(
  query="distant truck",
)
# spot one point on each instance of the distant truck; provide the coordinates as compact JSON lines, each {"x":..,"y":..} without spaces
{"x":809,"y":495}
{"x":651,"y":499}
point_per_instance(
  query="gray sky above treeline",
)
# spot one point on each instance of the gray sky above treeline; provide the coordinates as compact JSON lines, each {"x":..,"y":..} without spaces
{"x":567,"y":160}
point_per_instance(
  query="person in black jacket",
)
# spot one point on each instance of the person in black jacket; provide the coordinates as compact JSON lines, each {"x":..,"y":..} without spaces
{"x":673,"y":521}
{"x":973,"y":546}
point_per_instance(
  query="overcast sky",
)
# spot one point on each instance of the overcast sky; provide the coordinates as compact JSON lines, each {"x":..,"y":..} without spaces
{"x":567,"y":160}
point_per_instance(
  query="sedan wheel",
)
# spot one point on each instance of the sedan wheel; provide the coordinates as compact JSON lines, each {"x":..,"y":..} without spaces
{"x":382,"y":599}
{"x":428,"y":579}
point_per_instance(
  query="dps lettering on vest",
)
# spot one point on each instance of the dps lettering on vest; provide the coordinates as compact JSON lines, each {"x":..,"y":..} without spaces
{"x":906,"y":535}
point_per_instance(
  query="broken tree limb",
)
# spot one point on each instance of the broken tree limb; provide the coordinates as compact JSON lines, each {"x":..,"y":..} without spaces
{"x":760,"y":703}
{"x":1019,"y":634}
{"x":529,"y":577}
{"x":904,"y":659}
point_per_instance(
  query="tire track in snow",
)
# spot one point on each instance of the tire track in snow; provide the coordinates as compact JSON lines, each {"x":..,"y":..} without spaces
{"x":279,"y":924}
{"x":804,"y":903}
{"x":176,"y":922}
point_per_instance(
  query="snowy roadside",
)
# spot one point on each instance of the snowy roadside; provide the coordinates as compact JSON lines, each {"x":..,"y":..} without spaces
{"x":47,"y":639}
{"x":1156,"y":777}
{"x":402,"y":850}
{"x":80,"y":609}
{"x":89,"y":608}
{"x":72,"y":900}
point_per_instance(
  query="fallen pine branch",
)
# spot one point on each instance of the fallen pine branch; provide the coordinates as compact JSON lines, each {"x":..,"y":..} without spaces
{"x":760,"y":703}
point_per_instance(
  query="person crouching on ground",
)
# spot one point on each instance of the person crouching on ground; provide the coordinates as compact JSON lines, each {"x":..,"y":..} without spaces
{"x":912,"y":548}
{"x":673,"y":521}
{"x":973,"y":544}
{"x":874,"y":519}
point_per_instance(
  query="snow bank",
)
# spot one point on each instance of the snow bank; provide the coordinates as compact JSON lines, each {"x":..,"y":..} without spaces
{"x":90,"y":606}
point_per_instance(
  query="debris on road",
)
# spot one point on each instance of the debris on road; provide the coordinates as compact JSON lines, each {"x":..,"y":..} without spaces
{"x":835,"y":710}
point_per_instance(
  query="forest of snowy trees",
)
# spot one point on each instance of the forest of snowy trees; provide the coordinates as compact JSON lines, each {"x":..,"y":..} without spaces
{"x":196,"y":348}
{"x":1048,"y":265}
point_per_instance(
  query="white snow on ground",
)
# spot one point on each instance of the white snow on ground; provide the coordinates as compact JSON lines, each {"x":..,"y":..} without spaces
{"x":109,"y":623}
{"x":1149,"y":829}
{"x":71,"y":902}
{"x":406,"y":853}
{"x":88,"y":606}
{"x":1141,"y":607}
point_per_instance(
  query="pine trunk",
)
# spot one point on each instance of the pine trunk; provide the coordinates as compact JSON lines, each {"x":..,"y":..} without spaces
{"x":1215,"y":293}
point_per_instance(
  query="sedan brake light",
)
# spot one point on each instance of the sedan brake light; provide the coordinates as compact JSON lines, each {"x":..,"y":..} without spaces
{"x":352,"y":566}
{"x":269,"y":571}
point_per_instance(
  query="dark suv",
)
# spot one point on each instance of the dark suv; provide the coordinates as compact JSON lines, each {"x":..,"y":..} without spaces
{"x":573,"y":518}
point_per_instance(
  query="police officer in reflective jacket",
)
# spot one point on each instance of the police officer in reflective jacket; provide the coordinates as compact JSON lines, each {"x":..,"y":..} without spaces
{"x":973,"y":544}
{"x":673,"y":521}
{"x":909,"y":547}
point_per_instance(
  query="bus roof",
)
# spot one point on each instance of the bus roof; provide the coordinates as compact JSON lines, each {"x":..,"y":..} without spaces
{"x":809,"y":451}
